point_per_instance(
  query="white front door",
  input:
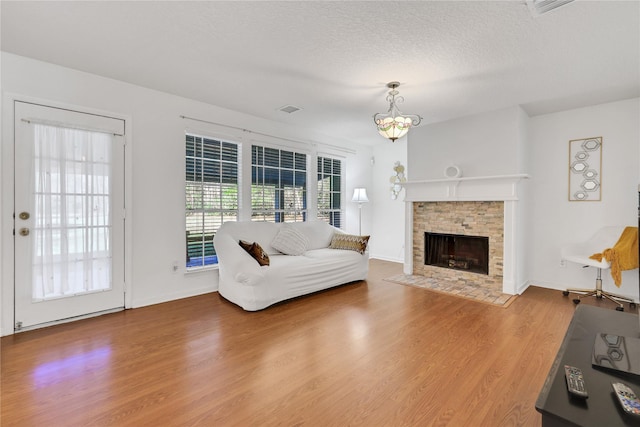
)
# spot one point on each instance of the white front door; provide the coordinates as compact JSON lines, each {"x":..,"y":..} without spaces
{"x":69,"y":214}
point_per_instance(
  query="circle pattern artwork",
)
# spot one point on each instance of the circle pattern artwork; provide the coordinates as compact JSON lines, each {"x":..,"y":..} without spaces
{"x":584,"y":169}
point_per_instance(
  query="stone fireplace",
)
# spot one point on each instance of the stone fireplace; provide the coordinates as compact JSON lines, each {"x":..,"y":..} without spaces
{"x":477,"y":219}
{"x":478,"y":207}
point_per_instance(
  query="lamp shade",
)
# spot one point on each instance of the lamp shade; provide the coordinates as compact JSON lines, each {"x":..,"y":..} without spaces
{"x":360,"y":195}
{"x":394,"y":127}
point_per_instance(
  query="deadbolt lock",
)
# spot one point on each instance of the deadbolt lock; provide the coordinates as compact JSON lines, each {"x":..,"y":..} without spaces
{"x":24,"y":215}
{"x":24,"y":231}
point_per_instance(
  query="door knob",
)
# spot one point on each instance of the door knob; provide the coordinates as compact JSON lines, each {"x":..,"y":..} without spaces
{"x":24,"y":231}
{"x":24,"y":215}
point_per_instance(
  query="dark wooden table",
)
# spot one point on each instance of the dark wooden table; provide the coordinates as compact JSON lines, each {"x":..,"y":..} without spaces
{"x":601,"y":409}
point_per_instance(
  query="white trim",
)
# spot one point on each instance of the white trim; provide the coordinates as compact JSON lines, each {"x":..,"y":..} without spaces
{"x":280,"y":146}
{"x":313,"y":189}
{"x":70,"y":126}
{"x":408,"y":238}
{"x":385,"y":258}
{"x":309,"y":157}
{"x":70,"y":319}
{"x":7,"y":205}
{"x":523,"y":287}
{"x":210,"y":134}
{"x":194,"y":270}
{"x":502,"y":188}
{"x":199,"y":141}
{"x":481,"y":188}
{"x":509,"y":255}
{"x":340,"y":157}
{"x":175,"y":296}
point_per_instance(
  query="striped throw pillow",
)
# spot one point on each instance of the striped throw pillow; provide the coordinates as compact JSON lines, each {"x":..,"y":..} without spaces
{"x":349,"y":242}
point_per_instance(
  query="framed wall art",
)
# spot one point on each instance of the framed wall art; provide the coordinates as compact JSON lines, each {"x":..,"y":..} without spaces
{"x":585,"y":169}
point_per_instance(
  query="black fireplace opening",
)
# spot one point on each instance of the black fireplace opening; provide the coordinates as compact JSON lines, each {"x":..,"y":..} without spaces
{"x":457,"y":251}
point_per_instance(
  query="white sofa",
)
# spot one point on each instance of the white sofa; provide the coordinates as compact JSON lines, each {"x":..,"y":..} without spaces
{"x":253,"y":287}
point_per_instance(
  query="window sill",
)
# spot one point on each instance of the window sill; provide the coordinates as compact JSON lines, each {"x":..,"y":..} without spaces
{"x":195,"y":270}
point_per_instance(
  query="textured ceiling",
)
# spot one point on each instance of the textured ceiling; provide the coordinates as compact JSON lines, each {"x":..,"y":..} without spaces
{"x":333,"y":59}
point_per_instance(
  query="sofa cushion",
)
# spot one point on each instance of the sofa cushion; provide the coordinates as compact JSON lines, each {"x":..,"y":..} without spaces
{"x":349,"y":242}
{"x":256,"y":251}
{"x":290,"y":241}
{"x":318,"y":232}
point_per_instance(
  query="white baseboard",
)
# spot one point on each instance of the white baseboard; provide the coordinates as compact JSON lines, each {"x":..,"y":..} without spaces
{"x":137,"y":303}
{"x":548,"y":285}
{"x":523,"y":287}
{"x":385,"y":258}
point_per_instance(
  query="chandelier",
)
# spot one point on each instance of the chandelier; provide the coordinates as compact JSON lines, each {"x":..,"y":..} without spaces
{"x":394,"y":124}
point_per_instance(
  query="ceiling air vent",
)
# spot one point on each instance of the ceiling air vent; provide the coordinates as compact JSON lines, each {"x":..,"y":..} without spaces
{"x":289,"y":109}
{"x":538,"y":7}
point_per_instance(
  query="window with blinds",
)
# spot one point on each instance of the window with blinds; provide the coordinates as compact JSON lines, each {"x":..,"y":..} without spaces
{"x":212,"y":171}
{"x":278,"y":185}
{"x":329,"y":191}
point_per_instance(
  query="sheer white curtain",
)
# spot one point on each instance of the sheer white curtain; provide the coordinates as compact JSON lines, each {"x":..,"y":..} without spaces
{"x":71,"y":235}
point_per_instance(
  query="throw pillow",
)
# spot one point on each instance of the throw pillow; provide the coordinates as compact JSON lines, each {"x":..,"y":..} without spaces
{"x":256,"y":251}
{"x":349,"y":242}
{"x":290,"y":241}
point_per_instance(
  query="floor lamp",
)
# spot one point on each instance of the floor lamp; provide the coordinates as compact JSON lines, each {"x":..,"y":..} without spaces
{"x":360,"y":197}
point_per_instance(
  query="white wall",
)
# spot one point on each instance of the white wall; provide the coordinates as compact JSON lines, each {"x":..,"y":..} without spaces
{"x":359,"y":176}
{"x":387,"y":240}
{"x":554,"y":220}
{"x":157,"y":211}
{"x":481,"y":145}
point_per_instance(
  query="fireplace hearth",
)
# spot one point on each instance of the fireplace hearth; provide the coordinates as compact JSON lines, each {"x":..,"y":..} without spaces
{"x":457,"y":252}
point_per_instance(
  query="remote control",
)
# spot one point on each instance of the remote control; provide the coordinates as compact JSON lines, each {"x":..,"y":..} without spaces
{"x":627,"y":398}
{"x":575,"y":382}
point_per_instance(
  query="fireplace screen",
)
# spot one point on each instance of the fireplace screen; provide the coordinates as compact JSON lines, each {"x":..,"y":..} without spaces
{"x":456,"y":251}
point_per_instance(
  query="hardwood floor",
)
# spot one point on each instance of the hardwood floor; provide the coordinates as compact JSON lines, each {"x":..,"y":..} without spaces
{"x":372,"y":353}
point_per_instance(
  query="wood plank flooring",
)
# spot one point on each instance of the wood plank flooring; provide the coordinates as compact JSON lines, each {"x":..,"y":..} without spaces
{"x":371,"y":353}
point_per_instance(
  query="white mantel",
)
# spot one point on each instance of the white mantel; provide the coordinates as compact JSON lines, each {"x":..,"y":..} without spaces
{"x":472,"y":189}
{"x":481,"y":188}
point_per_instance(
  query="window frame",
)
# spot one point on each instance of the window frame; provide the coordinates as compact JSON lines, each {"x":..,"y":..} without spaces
{"x":201,"y":158}
{"x":291,"y":168}
{"x":333,"y":192}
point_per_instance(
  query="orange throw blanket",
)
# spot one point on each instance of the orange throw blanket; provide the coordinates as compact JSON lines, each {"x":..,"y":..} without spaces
{"x":623,"y":255}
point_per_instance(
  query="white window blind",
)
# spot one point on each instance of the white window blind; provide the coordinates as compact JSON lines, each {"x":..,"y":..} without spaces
{"x":329,"y":190}
{"x":278,"y":185}
{"x":212,"y":194}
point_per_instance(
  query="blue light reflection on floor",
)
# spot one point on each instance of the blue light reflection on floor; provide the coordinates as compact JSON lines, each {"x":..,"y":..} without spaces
{"x":71,"y":366}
